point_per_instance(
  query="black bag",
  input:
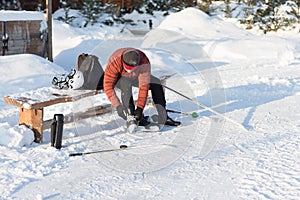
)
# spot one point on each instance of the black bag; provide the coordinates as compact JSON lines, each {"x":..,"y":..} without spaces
{"x":92,"y":71}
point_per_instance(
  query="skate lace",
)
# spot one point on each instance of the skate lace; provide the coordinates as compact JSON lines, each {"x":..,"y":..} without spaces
{"x":131,"y":119}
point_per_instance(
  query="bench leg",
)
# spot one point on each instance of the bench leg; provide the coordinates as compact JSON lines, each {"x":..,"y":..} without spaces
{"x":33,"y":119}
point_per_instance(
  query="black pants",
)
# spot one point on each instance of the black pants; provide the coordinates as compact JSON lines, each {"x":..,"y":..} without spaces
{"x":158,"y":95}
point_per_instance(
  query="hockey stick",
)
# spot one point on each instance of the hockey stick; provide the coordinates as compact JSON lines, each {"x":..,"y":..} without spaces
{"x":122,"y":148}
{"x":207,"y":108}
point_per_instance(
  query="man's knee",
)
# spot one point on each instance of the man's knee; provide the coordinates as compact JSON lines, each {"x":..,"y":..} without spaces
{"x":155,"y":80}
{"x":155,"y":83}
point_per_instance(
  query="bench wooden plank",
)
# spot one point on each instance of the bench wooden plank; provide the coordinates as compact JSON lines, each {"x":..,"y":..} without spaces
{"x":44,"y":97}
{"x":99,"y":110}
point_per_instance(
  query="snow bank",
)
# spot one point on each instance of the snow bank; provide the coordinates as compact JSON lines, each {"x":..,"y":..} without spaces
{"x":25,"y":72}
{"x":196,"y":24}
{"x":16,"y":136}
{"x":224,"y":40}
{"x":262,"y":48}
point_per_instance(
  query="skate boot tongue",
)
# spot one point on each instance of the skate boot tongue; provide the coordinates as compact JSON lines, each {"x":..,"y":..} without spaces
{"x":132,"y":124}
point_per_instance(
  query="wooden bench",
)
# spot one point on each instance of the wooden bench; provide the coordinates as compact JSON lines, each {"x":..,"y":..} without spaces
{"x":32,"y":103}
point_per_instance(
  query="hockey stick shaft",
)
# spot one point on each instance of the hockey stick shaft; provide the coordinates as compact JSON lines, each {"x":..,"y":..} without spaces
{"x":207,"y":108}
{"x":193,"y":114}
{"x":178,"y":112}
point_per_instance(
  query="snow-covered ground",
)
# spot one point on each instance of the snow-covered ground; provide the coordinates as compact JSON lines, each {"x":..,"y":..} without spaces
{"x":250,"y":77}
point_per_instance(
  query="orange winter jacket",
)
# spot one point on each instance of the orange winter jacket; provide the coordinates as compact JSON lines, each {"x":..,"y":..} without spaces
{"x":114,"y":69}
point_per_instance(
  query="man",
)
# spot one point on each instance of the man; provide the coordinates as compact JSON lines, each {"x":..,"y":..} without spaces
{"x":129,"y":67}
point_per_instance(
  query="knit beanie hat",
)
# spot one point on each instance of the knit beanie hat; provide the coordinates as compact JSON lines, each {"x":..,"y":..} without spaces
{"x":131,"y":58}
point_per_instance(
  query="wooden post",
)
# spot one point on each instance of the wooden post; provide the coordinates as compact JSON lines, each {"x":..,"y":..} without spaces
{"x":49,"y":23}
{"x":33,"y":119}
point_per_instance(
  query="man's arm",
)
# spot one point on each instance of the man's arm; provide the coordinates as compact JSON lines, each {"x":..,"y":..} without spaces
{"x":110,"y":77}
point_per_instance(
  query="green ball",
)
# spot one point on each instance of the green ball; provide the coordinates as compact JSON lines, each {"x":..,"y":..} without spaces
{"x":194,"y":115}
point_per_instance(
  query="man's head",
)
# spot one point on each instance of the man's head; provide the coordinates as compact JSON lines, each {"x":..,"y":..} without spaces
{"x":131,"y":59}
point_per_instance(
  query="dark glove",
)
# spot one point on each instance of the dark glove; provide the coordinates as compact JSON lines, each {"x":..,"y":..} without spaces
{"x":138,"y":113}
{"x":122,"y":111}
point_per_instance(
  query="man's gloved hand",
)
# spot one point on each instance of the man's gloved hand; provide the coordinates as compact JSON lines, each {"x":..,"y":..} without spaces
{"x":122,"y":111}
{"x":138,"y":113}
